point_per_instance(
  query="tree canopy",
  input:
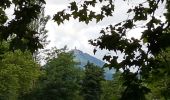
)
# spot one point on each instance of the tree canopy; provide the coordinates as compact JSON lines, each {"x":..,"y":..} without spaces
{"x":62,"y":78}
{"x":155,"y":36}
{"x":18,"y":74}
{"x":17,"y":29}
{"x":91,"y":84}
{"x":149,"y":54}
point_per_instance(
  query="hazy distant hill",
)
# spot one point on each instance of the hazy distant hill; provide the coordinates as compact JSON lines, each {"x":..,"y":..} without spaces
{"x":83,"y":58}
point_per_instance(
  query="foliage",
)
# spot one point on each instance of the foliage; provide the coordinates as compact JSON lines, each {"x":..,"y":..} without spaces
{"x":16,"y":29}
{"x":62,"y":77}
{"x":159,"y":79}
{"x":91,"y":84}
{"x":112,"y":89}
{"x":156,"y":38}
{"x":18,"y":73}
{"x":39,"y":25}
{"x":18,"y":69}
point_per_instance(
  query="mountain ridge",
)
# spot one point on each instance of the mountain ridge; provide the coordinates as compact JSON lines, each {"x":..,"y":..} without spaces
{"x":82,"y":58}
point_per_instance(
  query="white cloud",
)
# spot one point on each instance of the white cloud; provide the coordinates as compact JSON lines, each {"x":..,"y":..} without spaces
{"x":75,"y":34}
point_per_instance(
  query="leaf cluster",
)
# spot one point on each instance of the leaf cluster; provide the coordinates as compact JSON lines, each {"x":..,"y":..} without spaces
{"x":114,"y":39}
{"x":24,"y":12}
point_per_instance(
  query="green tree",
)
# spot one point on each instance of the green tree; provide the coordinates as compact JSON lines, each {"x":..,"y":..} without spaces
{"x":112,"y":89}
{"x":159,"y":79}
{"x":18,"y":73}
{"x":39,"y":25}
{"x":91,"y":84}
{"x":62,"y":77}
{"x":23,"y":37}
{"x":156,"y":38}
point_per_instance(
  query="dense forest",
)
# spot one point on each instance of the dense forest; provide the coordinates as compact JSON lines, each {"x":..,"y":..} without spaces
{"x":23,"y":37}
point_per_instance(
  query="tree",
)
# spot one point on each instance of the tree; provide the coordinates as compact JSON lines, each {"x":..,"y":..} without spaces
{"x":112,"y":89}
{"x":18,"y":74}
{"x":39,"y":25}
{"x":21,"y":36}
{"x":156,"y":38}
{"x":61,"y":80}
{"x":91,"y":84}
{"x":159,"y":80}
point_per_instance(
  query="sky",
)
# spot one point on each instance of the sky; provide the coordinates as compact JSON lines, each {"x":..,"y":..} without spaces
{"x":75,"y":34}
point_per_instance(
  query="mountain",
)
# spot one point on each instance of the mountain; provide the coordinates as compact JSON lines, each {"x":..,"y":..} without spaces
{"x":83,"y":58}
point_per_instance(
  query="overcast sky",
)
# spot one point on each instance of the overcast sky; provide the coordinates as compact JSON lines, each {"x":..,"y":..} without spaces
{"x":75,"y":34}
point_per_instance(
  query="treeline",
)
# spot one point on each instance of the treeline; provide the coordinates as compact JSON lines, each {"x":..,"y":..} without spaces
{"x":23,"y":35}
{"x":22,"y":78}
